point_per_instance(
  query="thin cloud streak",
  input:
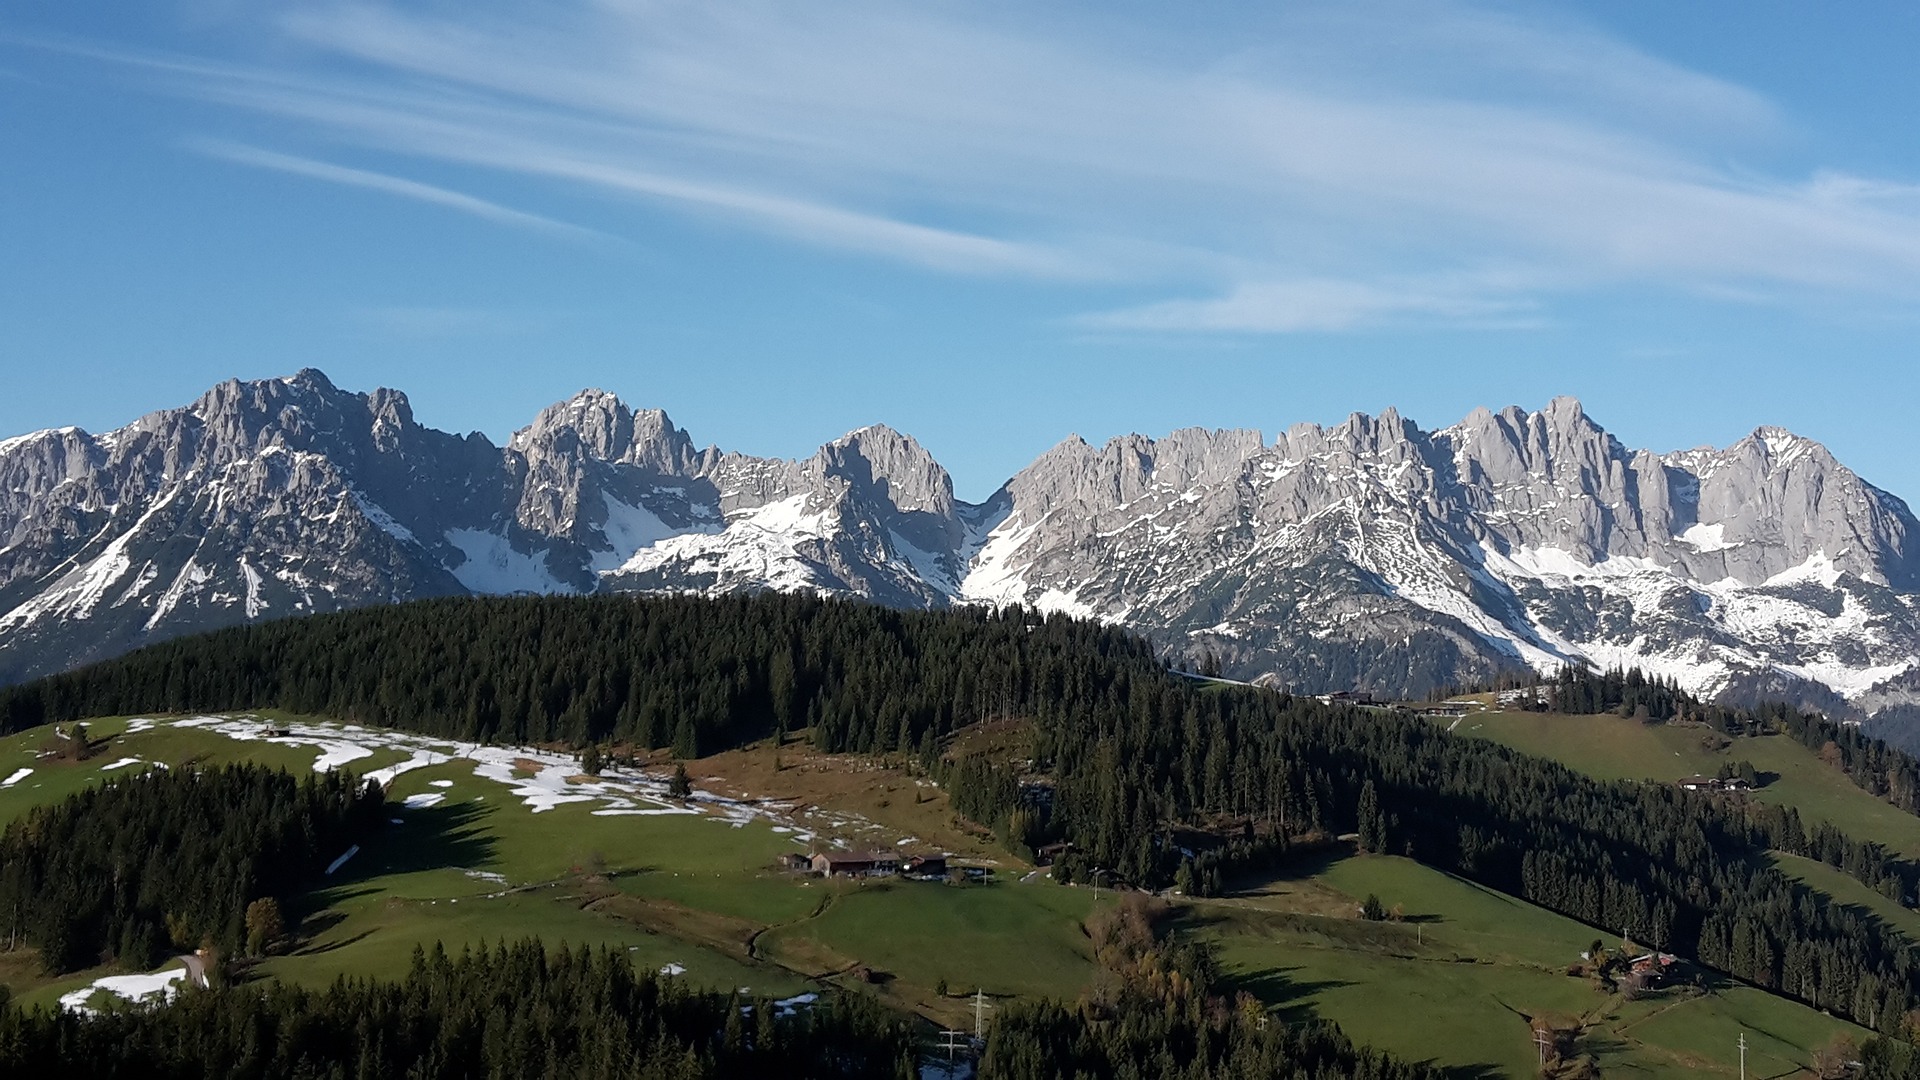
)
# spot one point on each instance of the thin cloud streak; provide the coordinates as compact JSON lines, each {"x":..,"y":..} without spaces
{"x":1325,"y":305}
{"x":1310,"y":184}
{"x":391,"y":185}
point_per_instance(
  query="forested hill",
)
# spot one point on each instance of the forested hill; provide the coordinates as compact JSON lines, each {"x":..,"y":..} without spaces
{"x":693,"y":674}
{"x":1131,"y":752}
{"x":172,"y":859}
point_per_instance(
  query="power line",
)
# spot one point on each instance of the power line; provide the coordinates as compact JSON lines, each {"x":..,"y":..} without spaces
{"x":953,"y":1042}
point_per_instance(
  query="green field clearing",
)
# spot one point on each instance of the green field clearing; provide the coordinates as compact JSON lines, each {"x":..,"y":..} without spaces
{"x":696,"y":891}
{"x":1008,"y":938}
{"x":1454,"y":983}
{"x":54,"y":778}
{"x":1614,"y":748}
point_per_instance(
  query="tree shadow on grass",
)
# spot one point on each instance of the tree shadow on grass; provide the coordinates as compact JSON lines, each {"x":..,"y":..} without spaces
{"x":1296,"y":866}
{"x":316,"y":950}
{"x":1278,"y":988}
{"x":446,"y":837}
{"x":426,"y":839}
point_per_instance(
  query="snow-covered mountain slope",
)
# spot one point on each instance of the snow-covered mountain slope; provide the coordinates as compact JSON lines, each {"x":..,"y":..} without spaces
{"x":1368,"y":554}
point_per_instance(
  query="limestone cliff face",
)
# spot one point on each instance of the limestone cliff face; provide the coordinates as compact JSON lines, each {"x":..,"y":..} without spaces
{"x":1370,"y":553}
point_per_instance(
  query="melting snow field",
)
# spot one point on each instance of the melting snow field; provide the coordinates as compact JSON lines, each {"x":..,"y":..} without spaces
{"x":19,"y":775}
{"x":540,"y":779}
{"x":131,"y":987}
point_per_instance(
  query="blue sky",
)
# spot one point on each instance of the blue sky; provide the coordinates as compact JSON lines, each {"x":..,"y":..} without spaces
{"x":986,"y":224}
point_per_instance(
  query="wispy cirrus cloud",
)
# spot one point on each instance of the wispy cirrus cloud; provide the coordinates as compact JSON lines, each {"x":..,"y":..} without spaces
{"x":391,"y":185}
{"x":1354,"y":165}
{"x":1326,"y":305}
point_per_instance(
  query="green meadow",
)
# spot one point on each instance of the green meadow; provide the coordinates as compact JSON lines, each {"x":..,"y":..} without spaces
{"x":1614,"y":748}
{"x":1457,"y":980}
{"x":1454,"y":980}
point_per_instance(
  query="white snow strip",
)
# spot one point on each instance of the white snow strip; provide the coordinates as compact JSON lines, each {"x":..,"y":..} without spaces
{"x":336,"y":754}
{"x":994,"y":578}
{"x":424,"y":800}
{"x":342,"y":860}
{"x":492,"y":566}
{"x":379,"y":516}
{"x":79,"y":591}
{"x":1706,"y":537}
{"x":673,"y":969}
{"x":136,"y":988}
{"x":18,"y":776}
{"x":121,"y":764}
{"x":631,"y":529}
{"x":421,"y":759}
{"x":761,"y":545}
{"x":255,"y":605}
{"x":552,"y":780}
{"x":14,"y":442}
{"x":787,"y":1006}
{"x":1818,"y":567}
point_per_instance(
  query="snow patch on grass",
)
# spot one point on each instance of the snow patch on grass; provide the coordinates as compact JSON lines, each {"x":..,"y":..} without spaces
{"x":135,"y":988}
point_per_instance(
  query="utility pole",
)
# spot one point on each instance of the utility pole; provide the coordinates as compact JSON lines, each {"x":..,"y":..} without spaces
{"x":1743,"y":1056}
{"x":1540,"y":1042}
{"x":980,"y":1007}
{"x":953,"y":1042}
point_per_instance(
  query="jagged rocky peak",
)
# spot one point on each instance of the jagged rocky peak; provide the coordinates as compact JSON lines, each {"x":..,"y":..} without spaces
{"x":1127,"y":468}
{"x":601,"y":426}
{"x":1366,"y":552}
{"x":888,"y":467}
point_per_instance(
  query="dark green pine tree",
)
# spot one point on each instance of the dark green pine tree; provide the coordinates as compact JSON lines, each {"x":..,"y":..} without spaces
{"x":1373,"y":823}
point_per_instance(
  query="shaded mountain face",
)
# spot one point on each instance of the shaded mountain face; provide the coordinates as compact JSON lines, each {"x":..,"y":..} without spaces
{"x":1371,"y":554}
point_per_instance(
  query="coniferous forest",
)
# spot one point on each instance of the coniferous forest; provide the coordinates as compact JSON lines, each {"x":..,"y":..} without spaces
{"x":519,"y":1011}
{"x":1124,"y":755}
{"x":168,"y":860}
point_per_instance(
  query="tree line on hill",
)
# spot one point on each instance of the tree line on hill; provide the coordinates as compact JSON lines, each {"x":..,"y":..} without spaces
{"x":1872,"y":764}
{"x":693,"y":674}
{"x":1673,"y":869}
{"x":1136,"y":761}
{"x":171,"y":859}
{"x":510,"y":1011}
{"x":528,"y":1010}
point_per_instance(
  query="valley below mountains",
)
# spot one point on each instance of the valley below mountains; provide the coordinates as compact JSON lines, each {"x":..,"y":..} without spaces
{"x":1372,"y":554}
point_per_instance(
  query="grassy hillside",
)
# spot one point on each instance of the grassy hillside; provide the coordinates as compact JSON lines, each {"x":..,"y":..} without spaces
{"x":1456,"y":982}
{"x":1613,"y":748}
{"x":471,"y":863}
{"x":694,"y":890}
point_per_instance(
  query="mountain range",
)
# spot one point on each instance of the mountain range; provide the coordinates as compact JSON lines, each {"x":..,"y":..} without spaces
{"x":1372,"y":554}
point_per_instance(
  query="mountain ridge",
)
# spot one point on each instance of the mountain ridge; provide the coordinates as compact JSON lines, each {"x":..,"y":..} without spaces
{"x":1368,"y":553}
